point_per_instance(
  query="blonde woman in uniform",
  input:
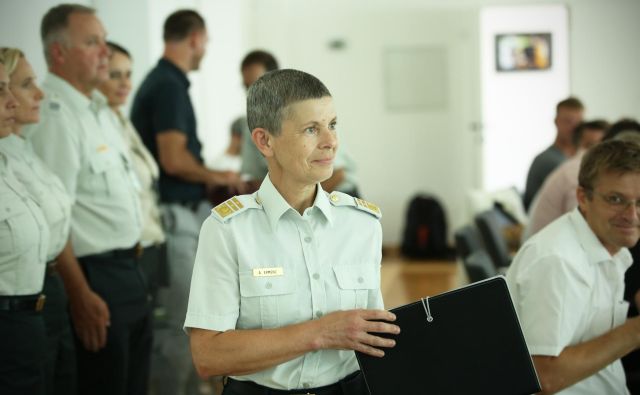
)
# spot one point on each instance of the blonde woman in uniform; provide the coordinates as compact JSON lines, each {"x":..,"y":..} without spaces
{"x":47,"y":190}
{"x":24,"y":239}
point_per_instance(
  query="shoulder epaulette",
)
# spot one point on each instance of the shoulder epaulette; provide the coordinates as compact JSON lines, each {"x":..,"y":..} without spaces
{"x":54,"y":104}
{"x":342,"y":199}
{"x":234,"y":206}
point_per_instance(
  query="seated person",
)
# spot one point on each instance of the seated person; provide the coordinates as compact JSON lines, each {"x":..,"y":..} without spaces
{"x":286,"y":281}
{"x":567,"y":281}
{"x":558,"y":193}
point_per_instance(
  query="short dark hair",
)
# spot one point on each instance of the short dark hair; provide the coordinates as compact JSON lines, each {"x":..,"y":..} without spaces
{"x":260,"y":57}
{"x":181,"y":23}
{"x":570,"y":103}
{"x":113,"y":47}
{"x":609,"y":156}
{"x":55,"y":21}
{"x":598,"y":124}
{"x":622,"y":126}
{"x":269,"y":97}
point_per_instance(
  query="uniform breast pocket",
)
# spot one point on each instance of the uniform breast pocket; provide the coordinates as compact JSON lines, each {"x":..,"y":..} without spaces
{"x":16,"y":225}
{"x":103,"y":172}
{"x":266,"y":302}
{"x":355,"y":283}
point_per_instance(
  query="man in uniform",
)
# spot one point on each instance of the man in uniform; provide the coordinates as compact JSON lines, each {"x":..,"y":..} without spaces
{"x":78,"y":142}
{"x":567,"y":281}
{"x":163,"y":115}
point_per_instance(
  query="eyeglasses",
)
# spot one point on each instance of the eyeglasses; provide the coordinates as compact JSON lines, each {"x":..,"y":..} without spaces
{"x":617,"y":202}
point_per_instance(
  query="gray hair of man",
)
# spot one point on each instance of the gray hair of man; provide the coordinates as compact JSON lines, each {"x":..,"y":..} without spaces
{"x":269,"y":98}
{"x":54,"y":25}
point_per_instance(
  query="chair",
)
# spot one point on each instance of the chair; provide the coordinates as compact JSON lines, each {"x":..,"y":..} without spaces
{"x":491,"y":224}
{"x":467,"y":241}
{"x":479,"y":266}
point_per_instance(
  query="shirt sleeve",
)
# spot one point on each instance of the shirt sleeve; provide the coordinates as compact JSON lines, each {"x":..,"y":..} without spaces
{"x":375,"y":296}
{"x":55,"y":139}
{"x":214,"y":299}
{"x":550,"y":298}
{"x":171,"y":108}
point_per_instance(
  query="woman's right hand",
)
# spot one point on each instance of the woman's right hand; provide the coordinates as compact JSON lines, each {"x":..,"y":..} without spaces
{"x":353,"y":330}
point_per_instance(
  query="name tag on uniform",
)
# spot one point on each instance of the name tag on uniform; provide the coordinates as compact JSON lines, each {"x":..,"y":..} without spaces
{"x":268,"y":272}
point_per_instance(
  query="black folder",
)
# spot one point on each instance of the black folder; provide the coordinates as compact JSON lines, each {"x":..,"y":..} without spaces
{"x":465,"y":341}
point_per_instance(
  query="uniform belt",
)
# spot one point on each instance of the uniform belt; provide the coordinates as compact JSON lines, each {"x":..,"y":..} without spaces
{"x":343,"y":387}
{"x":22,"y":303}
{"x":134,"y":252}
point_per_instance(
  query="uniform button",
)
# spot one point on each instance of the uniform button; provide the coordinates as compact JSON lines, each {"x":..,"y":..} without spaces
{"x":360,"y":280}
{"x":7,"y":209}
{"x":305,"y":385}
{"x":319,"y":313}
{"x":316,"y":276}
{"x":307,"y":239}
{"x":268,"y":285}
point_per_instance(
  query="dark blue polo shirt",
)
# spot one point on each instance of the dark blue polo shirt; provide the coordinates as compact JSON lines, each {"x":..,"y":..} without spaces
{"x":162,"y":103}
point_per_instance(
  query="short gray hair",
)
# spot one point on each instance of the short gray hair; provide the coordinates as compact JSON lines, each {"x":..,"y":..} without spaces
{"x":55,"y":22}
{"x":269,"y":97}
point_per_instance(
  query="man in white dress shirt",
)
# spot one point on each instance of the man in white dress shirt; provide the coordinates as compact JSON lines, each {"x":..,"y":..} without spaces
{"x":567,"y":281}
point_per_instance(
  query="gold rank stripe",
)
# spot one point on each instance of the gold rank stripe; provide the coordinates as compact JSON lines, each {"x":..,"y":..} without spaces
{"x":237,"y":202}
{"x":370,"y":206}
{"x":228,"y":207}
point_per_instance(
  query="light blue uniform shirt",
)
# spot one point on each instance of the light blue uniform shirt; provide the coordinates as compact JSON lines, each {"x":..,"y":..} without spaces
{"x":260,"y":264}
{"x":24,"y":237}
{"x":45,"y":188}
{"x":77,"y":139}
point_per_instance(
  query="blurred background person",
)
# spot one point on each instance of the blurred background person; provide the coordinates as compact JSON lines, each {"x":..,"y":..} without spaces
{"x":47,"y":190}
{"x":558,"y":193}
{"x":24,"y":240}
{"x":116,"y":89}
{"x":569,"y":114}
{"x":108,"y":296}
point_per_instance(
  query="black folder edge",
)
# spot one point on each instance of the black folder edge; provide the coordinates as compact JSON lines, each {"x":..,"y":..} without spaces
{"x":501,"y":278}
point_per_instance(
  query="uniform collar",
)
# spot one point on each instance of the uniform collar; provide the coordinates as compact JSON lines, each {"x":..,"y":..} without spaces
{"x":72,"y":96}
{"x":275,"y":206}
{"x":595,"y":251}
{"x":13,"y":146}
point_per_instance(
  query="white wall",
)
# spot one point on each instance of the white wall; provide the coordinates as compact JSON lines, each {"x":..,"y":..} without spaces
{"x":604,"y":57}
{"x":216,"y":89}
{"x":518,"y":107}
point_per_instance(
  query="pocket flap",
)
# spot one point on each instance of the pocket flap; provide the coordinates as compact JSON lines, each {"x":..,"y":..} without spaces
{"x":10,"y":207}
{"x":251,"y":285}
{"x":101,"y":162}
{"x":356,"y":276}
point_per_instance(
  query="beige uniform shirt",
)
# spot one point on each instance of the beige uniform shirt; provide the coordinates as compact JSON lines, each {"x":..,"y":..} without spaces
{"x":24,"y":237}
{"x":45,"y":188}
{"x":260,"y":264}
{"x":147,"y":171}
{"x":78,"y":141}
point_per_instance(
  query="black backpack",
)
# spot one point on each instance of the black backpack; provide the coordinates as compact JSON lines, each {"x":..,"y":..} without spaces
{"x":425,"y":232}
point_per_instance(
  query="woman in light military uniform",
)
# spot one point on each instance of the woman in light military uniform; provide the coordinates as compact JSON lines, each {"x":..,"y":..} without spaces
{"x":286,"y":282}
{"x":24,"y":239}
{"x":48,"y":191}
